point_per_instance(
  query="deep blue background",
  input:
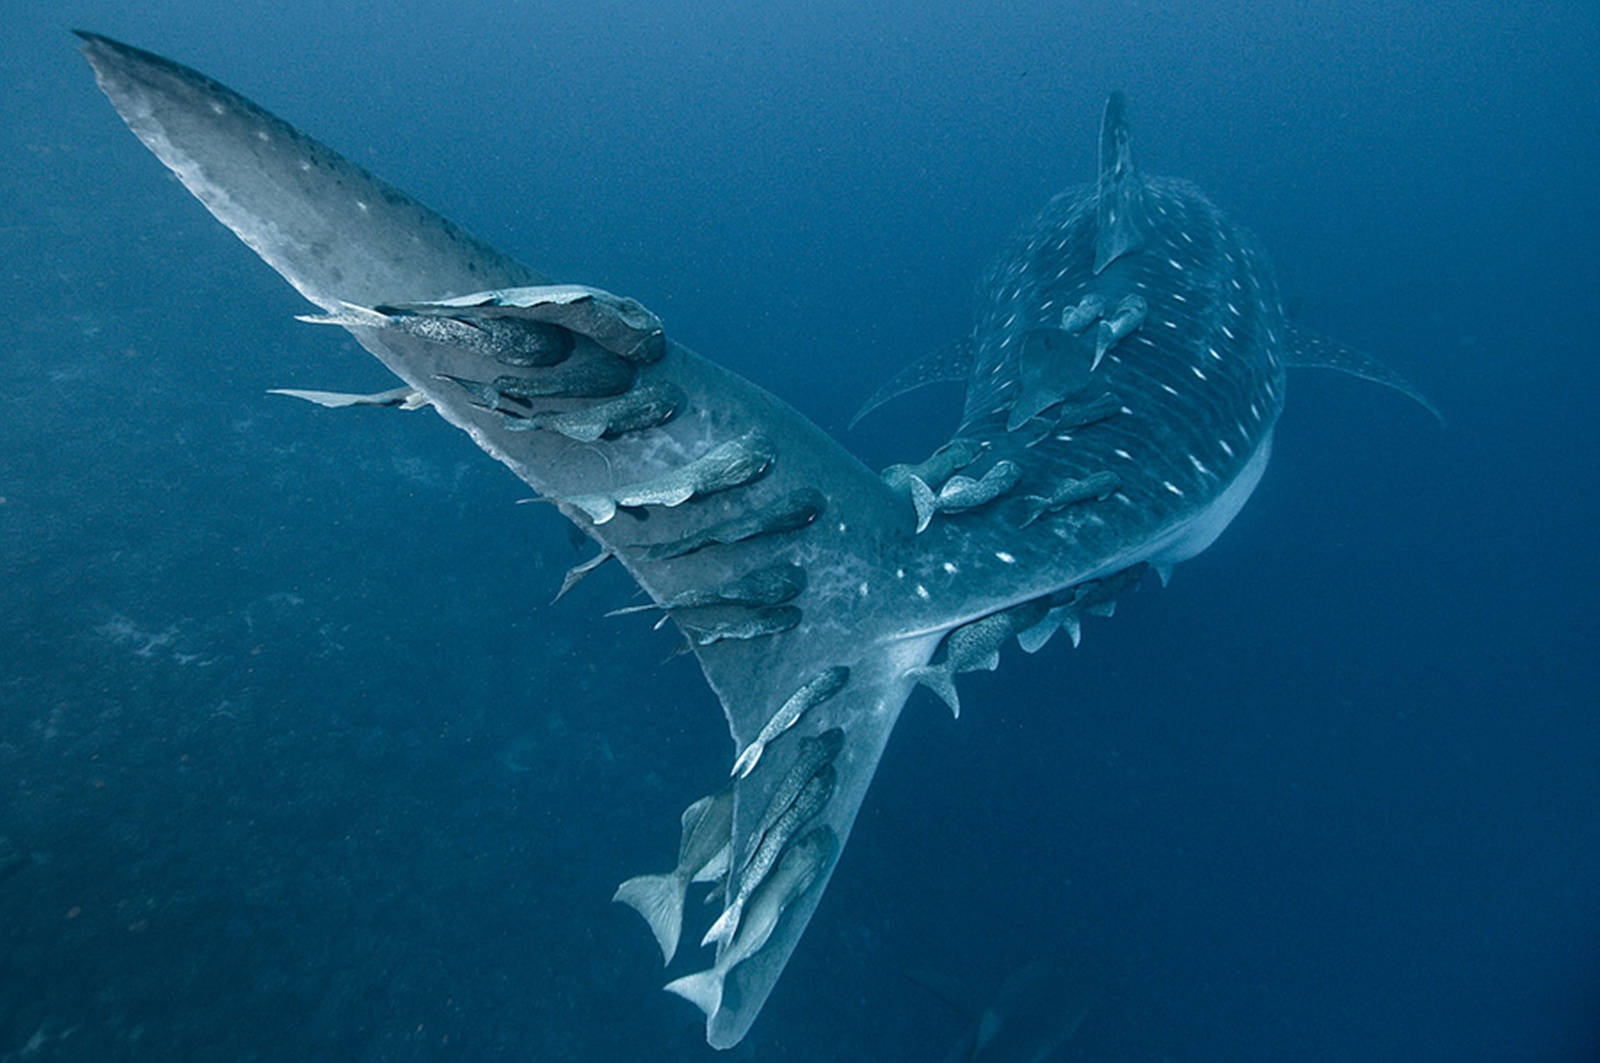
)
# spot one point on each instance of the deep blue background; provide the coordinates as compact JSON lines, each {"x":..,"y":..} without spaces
{"x":264,"y":670}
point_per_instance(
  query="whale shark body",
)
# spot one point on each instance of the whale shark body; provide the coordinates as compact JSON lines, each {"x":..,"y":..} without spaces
{"x":1124,"y":377}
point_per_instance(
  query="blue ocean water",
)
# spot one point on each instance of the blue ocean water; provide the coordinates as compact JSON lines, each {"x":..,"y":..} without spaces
{"x":297,"y":761}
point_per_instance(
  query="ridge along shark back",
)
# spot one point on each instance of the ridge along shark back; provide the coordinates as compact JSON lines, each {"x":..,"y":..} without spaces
{"x":1126,"y":373}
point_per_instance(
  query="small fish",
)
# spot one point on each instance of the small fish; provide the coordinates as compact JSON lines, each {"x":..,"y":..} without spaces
{"x":961,"y":493}
{"x":807,"y":804}
{"x":749,"y":624}
{"x":511,"y":342}
{"x":937,"y":467}
{"x":816,"y":690}
{"x":1083,"y":313}
{"x":1099,"y":597}
{"x":580,"y":570}
{"x":732,"y":464}
{"x":1070,"y":492}
{"x":635,"y":411}
{"x":702,"y":855}
{"x":1088,"y":413}
{"x":594,"y":375}
{"x":520,"y":344}
{"x":407,"y":398}
{"x":797,"y":869}
{"x":772,"y":584}
{"x":812,"y":753}
{"x":975,"y":646}
{"x":1068,"y":608}
{"x":1118,"y":325}
{"x":789,"y":512}
{"x":614,"y":322}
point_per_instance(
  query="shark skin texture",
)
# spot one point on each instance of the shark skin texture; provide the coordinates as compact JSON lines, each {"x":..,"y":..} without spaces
{"x":1148,"y":328}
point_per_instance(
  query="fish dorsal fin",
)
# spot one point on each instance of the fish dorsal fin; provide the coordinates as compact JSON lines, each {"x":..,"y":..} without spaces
{"x":1118,"y":210}
{"x":1309,"y":350}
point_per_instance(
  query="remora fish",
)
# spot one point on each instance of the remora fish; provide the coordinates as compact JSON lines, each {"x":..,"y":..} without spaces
{"x":514,"y":343}
{"x":728,"y":465}
{"x":592,"y":375}
{"x":938,"y":467}
{"x":769,"y":585}
{"x":796,"y":871}
{"x":1118,"y":325}
{"x":1068,"y":608}
{"x":961,"y":493}
{"x":975,"y":646}
{"x":639,"y":409}
{"x":1200,"y":393}
{"x":807,"y":805}
{"x":812,"y":753}
{"x":819,"y":688}
{"x":1067,"y":493}
{"x":702,"y":855}
{"x":615,"y":322}
{"x":789,"y":512}
{"x":405,"y":398}
{"x":742,"y":625}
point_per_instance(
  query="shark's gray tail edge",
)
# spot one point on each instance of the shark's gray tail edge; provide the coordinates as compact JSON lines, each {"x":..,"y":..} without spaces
{"x":333,"y":230}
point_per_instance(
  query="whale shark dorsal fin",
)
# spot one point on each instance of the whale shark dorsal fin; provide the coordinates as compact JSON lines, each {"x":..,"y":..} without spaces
{"x":1308,"y":350}
{"x":1118,"y":192}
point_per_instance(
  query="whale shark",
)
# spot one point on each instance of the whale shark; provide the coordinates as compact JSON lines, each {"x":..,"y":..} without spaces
{"x":1124,"y":375}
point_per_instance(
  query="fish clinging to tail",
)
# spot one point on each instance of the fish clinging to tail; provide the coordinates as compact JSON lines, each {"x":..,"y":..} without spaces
{"x":1124,"y":376}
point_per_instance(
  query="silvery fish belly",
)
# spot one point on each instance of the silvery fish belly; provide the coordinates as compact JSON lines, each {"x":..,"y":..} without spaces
{"x":1124,"y":385}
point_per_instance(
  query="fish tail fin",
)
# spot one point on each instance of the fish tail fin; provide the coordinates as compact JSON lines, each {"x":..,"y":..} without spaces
{"x":703,"y":990}
{"x":922,"y":498}
{"x":347,"y":315}
{"x":1033,"y":507}
{"x":746,"y":762}
{"x":659,"y":898}
{"x":723,"y":929}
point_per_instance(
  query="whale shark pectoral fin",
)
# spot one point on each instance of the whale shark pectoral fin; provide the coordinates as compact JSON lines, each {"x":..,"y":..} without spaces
{"x":950,"y":363}
{"x":1309,"y":350}
{"x":1119,"y":208}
